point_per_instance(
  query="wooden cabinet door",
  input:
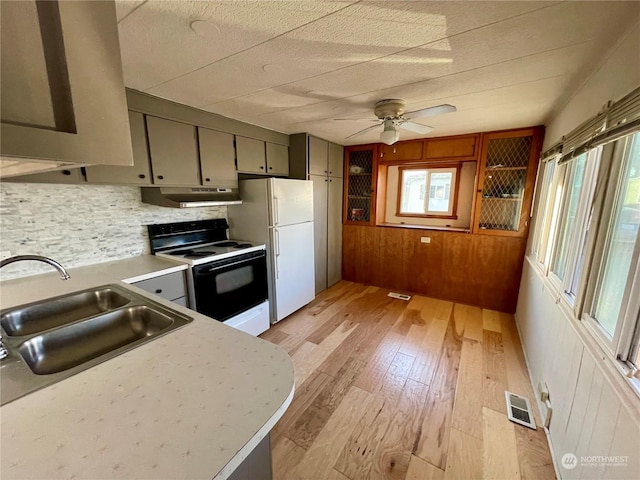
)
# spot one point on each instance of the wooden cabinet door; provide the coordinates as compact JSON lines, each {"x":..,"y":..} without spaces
{"x":334,"y":231}
{"x":318,"y":152}
{"x":464,"y":147}
{"x":359,"y":184}
{"x":320,"y":191}
{"x":62,"y":88}
{"x":508,"y":163}
{"x":140,"y":172}
{"x":336,"y":160}
{"x":277,"y":159}
{"x":251,"y":155}
{"x":217,"y":158}
{"x":401,"y":151}
{"x":174,"y":152}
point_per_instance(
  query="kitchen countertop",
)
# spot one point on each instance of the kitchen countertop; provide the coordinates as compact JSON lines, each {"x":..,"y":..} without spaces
{"x":190,"y":404}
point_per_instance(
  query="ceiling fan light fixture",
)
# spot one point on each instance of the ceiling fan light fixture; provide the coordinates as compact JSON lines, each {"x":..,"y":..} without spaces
{"x":389,"y":135}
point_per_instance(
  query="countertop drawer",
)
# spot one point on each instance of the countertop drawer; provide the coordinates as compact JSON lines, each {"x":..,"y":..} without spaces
{"x":170,"y":286}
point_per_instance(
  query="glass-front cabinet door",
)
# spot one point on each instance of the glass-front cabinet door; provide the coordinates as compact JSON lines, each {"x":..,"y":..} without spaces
{"x":359,"y":175}
{"x":506,"y":182}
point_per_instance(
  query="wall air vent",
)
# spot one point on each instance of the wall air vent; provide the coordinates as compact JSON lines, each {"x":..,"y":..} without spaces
{"x":400,"y":296}
{"x":519,"y":410}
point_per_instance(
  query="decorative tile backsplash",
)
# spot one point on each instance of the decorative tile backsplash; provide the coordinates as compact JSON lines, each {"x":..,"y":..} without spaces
{"x":78,"y":224}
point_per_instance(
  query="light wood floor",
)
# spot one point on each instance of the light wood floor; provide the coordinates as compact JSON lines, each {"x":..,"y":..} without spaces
{"x":403,"y":390}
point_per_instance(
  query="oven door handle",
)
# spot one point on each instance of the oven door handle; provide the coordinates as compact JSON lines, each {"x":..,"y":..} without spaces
{"x":219,"y":267}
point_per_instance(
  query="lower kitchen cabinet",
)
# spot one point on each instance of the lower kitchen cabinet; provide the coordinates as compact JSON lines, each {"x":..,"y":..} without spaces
{"x":257,"y":466}
{"x":171,"y":286}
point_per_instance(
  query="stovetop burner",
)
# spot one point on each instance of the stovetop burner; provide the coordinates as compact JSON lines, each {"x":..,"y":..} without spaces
{"x":226,"y":244}
{"x":192,"y":253}
{"x":242,"y":245}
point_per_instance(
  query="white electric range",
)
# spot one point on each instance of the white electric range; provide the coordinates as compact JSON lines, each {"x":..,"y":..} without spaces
{"x":227,"y":280}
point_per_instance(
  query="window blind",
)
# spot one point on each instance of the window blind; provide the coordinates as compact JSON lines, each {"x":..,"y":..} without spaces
{"x":617,"y":120}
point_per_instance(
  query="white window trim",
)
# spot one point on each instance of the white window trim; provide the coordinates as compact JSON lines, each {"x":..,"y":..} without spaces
{"x":430,"y":171}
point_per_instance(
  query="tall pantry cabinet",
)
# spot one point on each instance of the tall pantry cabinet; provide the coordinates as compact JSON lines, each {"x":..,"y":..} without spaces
{"x":321,"y":162}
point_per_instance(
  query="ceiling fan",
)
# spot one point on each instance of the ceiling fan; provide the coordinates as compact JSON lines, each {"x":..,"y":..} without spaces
{"x":391,"y":116}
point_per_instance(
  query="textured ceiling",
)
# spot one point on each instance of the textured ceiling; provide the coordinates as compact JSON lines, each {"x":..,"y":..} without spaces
{"x":294,"y":65}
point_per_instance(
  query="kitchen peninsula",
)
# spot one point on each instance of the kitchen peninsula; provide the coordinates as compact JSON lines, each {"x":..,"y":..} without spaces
{"x":191,"y":404}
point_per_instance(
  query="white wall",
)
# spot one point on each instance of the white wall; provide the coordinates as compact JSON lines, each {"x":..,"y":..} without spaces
{"x":617,"y":75}
{"x":595,"y":412}
{"x":79,"y":224}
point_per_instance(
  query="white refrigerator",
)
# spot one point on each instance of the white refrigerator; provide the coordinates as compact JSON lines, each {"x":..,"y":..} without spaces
{"x":279,"y":213}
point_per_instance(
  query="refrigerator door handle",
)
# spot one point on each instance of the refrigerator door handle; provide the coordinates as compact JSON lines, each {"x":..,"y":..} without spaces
{"x":277,"y":251}
{"x":276,"y":220}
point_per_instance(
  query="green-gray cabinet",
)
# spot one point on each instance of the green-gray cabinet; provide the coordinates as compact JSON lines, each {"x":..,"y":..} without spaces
{"x":140,"y":172}
{"x":217,"y":158}
{"x":277,"y":159}
{"x":174,"y":152}
{"x":251,"y":155}
{"x":62,"y":88}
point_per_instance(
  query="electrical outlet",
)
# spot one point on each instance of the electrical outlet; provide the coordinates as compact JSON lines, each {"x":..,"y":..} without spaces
{"x":425,"y":239}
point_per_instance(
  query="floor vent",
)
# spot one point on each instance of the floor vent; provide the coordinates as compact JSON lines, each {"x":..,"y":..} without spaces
{"x":519,"y":410}
{"x":400,"y":296}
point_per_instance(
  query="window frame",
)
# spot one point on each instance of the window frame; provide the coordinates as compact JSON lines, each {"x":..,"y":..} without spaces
{"x":580,"y":229}
{"x":621,"y":344}
{"x":430,"y":168}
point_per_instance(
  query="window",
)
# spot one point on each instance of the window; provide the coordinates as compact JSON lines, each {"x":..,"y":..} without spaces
{"x":427,"y":192}
{"x":546,"y":209}
{"x":618,"y":244}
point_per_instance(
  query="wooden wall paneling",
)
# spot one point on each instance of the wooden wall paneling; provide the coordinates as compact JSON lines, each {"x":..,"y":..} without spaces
{"x":579,"y":407}
{"x":626,"y":443}
{"x":473,"y":269}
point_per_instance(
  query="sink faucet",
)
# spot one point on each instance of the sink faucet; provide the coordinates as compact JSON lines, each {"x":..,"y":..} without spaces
{"x":64,"y":275}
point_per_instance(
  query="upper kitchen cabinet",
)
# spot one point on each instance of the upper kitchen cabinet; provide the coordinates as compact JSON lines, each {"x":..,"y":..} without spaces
{"x":62,"y":89}
{"x":263,"y":158}
{"x":174,"y":152}
{"x":251,"y":155}
{"x":277,"y":159}
{"x":401,"y":151}
{"x":140,"y":172}
{"x":359,"y":184}
{"x":336,"y":160}
{"x":217,"y":158}
{"x":507,"y":171}
{"x":318,"y":156}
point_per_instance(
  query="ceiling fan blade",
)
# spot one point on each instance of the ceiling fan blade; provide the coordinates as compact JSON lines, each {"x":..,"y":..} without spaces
{"x":415,"y":127}
{"x":428,"y":112}
{"x":362,"y":131}
{"x":358,"y":119}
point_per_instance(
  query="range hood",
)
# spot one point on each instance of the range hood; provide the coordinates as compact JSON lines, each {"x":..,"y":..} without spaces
{"x":188,"y":197}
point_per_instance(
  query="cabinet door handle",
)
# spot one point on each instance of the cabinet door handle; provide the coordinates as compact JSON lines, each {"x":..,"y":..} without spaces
{"x":330,"y":172}
{"x":158,"y":290}
{"x":261,"y":167}
{"x":270,"y":168}
{"x":142,"y":175}
{"x":66,"y":172}
{"x":207,"y":179}
{"x":160,"y":177}
{"x":326,"y":180}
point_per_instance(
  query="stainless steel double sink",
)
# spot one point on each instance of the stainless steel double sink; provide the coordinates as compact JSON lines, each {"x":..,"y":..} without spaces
{"x":56,"y":338}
